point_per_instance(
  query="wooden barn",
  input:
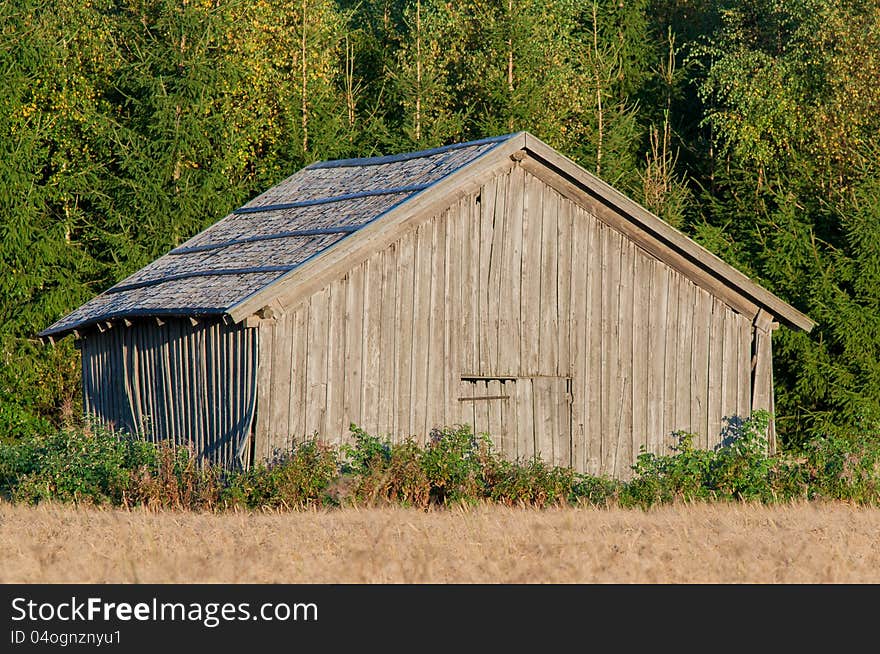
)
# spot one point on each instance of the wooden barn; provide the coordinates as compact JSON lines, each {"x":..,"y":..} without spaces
{"x":494,"y":283}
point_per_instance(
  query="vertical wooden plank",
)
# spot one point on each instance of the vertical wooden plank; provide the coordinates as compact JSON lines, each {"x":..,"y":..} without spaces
{"x":506,"y":443}
{"x":548,"y":316}
{"x":481,"y":408}
{"x":333,"y":429}
{"x":510,"y":282}
{"x":316,"y":405}
{"x":280,"y":391}
{"x":497,"y":260}
{"x":406,"y":292}
{"x":354,"y":329}
{"x":168,"y":398}
{"x":612,"y":382}
{"x":762,"y":392}
{"x":525,"y":418}
{"x":422,"y":283}
{"x":388,"y":336}
{"x":716,"y":374}
{"x":702,"y":325}
{"x":451,"y":314}
{"x":546,"y":415}
{"x":494,"y":426}
{"x":370,"y":347}
{"x":217,"y":388}
{"x":564,"y":282}
{"x":198,"y":391}
{"x":744,"y":366}
{"x":640,"y":356}
{"x":190,"y":408}
{"x":531,"y":277}
{"x":673,"y":281}
{"x":729,"y":357}
{"x":436,"y":364}
{"x":86,"y":374}
{"x":684,"y":355}
{"x":597,"y":265}
{"x":298,"y":334}
{"x":262,"y":446}
{"x":579,"y":342}
{"x":487,"y":339}
{"x":233,"y":355}
{"x":624,"y":382}
{"x":466,"y":389}
{"x":563,"y":443}
{"x":470,"y":241}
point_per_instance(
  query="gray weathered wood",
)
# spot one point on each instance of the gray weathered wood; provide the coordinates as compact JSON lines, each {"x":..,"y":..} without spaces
{"x":435,"y":368}
{"x":624,"y":450}
{"x":525,"y":418}
{"x":316,"y":406}
{"x":579,"y":355}
{"x":510,"y":280}
{"x":700,"y":365}
{"x":684,"y":355}
{"x":640,"y":350}
{"x":421,"y":322}
{"x":595,"y":324}
{"x":716,"y":373}
{"x":487,"y":337}
{"x":531,"y":277}
{"x":296,"y":423}
{"x":355,"y":328}
{"x":548,"y":286}
{"x":673,"y":281}
{"x":333,"y":429}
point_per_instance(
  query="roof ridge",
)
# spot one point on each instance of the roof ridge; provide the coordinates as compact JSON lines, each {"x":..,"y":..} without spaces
{"x":405,"y":156}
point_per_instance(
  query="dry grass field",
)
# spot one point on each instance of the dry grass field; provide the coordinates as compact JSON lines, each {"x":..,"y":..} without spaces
{"x":700,"y":543}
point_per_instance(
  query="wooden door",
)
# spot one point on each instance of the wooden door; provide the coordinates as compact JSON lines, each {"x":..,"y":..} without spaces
{"x":523,"y":416}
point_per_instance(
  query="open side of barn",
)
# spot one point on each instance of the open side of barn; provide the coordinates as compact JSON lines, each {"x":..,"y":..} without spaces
{"x":493,"y":283}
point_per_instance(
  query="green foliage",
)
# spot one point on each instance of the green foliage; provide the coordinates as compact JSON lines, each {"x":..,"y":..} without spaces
{"x":453,"y":460}
{"x":830,"y":468}
{"x":454,"y":467}
{"x":535,"y":483}
{"x":740,"y":469}
{"x":71,"y":466}
{"x":292,"y":480}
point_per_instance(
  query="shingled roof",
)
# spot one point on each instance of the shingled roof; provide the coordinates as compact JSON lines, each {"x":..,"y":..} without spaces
{"x":240,"y":263}
{"x":273,"y":234}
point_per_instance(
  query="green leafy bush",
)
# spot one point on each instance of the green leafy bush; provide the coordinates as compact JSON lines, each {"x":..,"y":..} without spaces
{"x":91,"y":465}
{"x":453,"y":461}
{"x":740,"y":468}
{"x":455,"y":466}
{"x":296,"y":479}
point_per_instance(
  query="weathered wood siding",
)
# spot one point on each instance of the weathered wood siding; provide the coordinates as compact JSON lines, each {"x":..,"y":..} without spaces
{"x":194,"y":385}
{"x":509,"y":286}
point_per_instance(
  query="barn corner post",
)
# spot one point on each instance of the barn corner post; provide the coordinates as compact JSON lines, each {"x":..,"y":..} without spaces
{"x":762,"y":371}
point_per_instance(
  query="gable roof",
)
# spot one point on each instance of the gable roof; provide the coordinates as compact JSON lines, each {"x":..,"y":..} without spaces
{"x":293,"y":230}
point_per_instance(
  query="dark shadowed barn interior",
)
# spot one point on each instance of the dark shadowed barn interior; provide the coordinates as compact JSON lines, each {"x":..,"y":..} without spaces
{"x":492,"y":283}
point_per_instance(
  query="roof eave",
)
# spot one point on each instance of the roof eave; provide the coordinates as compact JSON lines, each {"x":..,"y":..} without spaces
{"x":54,"y":333}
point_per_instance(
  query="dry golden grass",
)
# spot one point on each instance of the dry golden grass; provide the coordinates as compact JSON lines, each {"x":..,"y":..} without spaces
{"x":701,"y":543}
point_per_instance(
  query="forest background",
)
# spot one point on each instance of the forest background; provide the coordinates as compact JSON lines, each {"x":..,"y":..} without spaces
{"x":751,"y":125}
